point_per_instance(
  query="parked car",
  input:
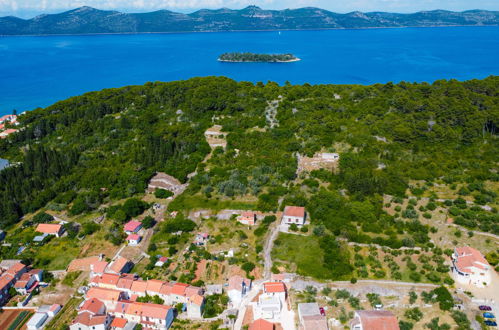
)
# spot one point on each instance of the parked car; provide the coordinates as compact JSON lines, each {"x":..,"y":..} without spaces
{"x":489,"y":315}
{"x":491,"y":323}
{"x":484,"y":308}
{"x":323,"y":312}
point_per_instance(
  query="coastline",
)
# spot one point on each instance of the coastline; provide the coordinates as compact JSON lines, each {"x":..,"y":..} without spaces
{"x":288,"y":61}
{"x":255,"y":30}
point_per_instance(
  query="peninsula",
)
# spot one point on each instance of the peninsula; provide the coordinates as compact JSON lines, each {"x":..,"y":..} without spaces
{"x":251,"y":57}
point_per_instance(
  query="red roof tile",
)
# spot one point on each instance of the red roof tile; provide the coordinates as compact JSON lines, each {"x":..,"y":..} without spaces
{"x":378,"y":320}
{"x":272,"y":287}
{"x":118,"y":322}
{"x":294,"y":211}
{"x":92,"y":305}
{"x":261,"y":324}
{"x":48,"y":228}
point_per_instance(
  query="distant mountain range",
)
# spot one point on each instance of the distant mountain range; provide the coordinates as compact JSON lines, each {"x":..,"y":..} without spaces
{"x":90,"y":20}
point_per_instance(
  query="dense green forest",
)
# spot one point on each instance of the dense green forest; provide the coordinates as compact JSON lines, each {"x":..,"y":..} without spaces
{"x":104,"y":146}
{"x":251,"y":57}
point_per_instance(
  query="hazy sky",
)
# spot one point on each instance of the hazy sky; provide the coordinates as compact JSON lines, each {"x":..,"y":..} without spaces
{"x":28,"y":8}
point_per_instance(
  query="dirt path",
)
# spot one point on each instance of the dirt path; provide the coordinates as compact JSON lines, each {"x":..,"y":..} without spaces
{"x":267,"y":251}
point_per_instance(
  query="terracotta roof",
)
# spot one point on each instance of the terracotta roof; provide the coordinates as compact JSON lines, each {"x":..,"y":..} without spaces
{"x":82,"y":264}
{"x":89,"y":320}
{"x":192,"y":290}
{"x":294,"y":211}
{"x":20,"y":284}
{"x":5,"y":281}
{"x":118,"y":322}
{"x":54,"y":307}
{"x":166,"y":289}
{"x":110,"y":279}
{"x":179,"y":288}
{"x":236,"y":283}
{"x":133,"y":237}
{"x":92,"y":305}
{"x":154,"y":285}
{"x":103,"y":294}
{"x":261,"y":324}
{"x":125,"y":283}
{"x":315,"y":322}
{"x":468,"y":257}
{"x":378,"y":320}
{"x":16,"y":268}
{"x":48,"y":228}
{"x":272,"y":287}
{"x":148,"y":310}
{"x":132,"y":225}
{"x":139,"y":286}
{"x":118,"y":265}
{"x":99,"y":266}
{"x":196,"y":300}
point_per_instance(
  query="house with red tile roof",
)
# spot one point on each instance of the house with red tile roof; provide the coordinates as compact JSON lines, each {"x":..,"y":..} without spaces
{"x":50,"y":229}
{"x":28,"y":281}
{"x":6,"y":282}
{"x":132,"y":227}
{"x":89,"y":321}
{"x":118,"y":323}
{"x":93,"y":306}
{"x":133,"y":239}
{"x":139,"y":288}
{"x":98,"y":268}
{"x":237,"y":288}
{"x":294,"y":215}
{"x":151,"y":316}
{"x":271,"y":302}
{"x":374,"y":320}
{"x":469,"y":266}
{"x":109,"y":297}
{"x":7,"y":132}
{"x":248,"y":218}
{"x":195,"y":306}
{"x":17,"y":270}
{"x":120,"y":265}
{"x":261,"y":324}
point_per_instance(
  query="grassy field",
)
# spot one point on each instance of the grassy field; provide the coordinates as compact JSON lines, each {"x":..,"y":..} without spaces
{"x":198,"y":201}
{"x":300,"y":254}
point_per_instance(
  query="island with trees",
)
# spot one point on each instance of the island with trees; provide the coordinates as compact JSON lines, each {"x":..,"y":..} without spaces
{"x":252,"y":57}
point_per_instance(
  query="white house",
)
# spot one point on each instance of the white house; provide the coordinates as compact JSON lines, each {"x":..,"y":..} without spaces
{"x":152,"y":316}
{"x":294,"y":215}
{"x":470,"y":267}
{"x":89,"y":321}
{"x":36,"y":321}
{"x":133,"y":239}
{"x":195,"y":306}
{"x":271,"y":301}
{"x":238,"y":288}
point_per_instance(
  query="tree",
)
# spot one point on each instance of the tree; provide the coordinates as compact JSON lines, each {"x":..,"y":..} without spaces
{"x":293,"y":227}
{"x":413,"y":296}
{"x":148,"y":222}
{"x":248,"y":267}
{"x":162,"y":193}
{"x":444,"y":298}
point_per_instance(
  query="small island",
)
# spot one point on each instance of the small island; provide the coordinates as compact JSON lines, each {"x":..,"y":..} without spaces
{"x":251,"y":57}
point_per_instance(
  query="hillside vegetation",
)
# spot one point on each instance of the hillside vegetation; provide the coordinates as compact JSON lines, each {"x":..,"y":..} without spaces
{"x":400,"y":140}
{"x":91,"y":20}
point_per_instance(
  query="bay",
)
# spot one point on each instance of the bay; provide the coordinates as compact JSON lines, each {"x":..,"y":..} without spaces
{"x":36,"y":71}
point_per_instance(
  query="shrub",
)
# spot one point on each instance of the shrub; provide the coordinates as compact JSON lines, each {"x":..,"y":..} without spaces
{"x":293,"y":227}
{"x":304,"y":229}
{"x":414,"y":314}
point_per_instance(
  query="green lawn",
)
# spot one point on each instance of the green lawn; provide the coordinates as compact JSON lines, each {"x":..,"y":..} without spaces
{"x":57,"y":254}
{"x":193,"y":202}
{"x":302,"y":252}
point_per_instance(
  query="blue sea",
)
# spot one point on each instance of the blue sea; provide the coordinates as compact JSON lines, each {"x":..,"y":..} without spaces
{"x":36,"y":71}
